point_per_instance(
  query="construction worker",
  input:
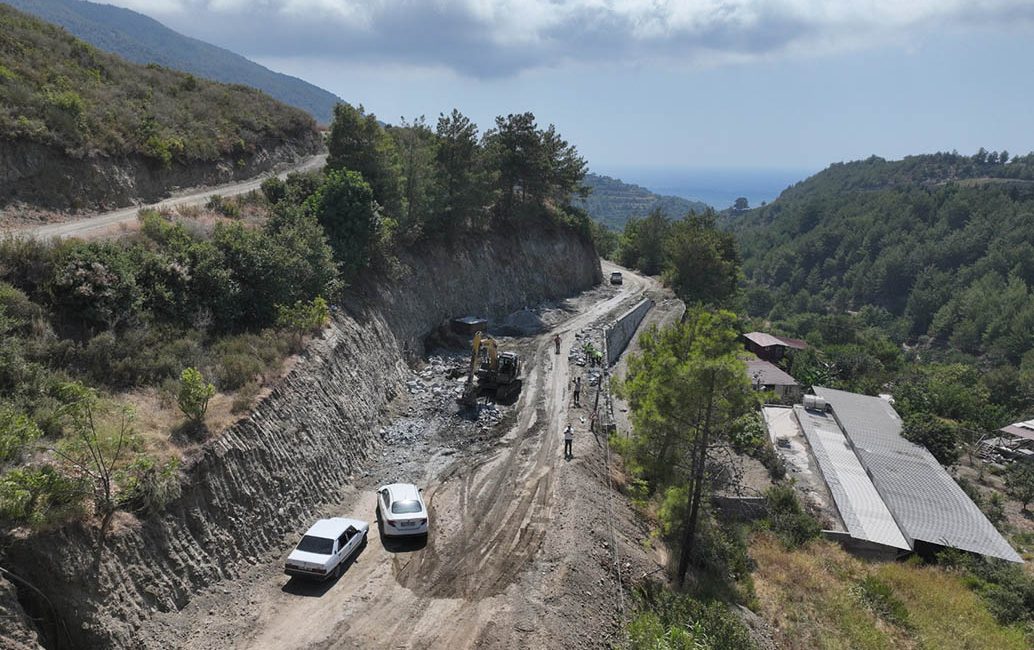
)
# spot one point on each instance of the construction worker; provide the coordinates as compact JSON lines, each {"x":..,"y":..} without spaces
{"x":568,"y":442}
{"x":577,"y":391}
{"x":556,"y":342}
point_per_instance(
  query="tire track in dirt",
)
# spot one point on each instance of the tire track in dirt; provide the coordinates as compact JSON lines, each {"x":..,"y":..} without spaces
{"x":505,"y":502}
{"x":491,"y":517}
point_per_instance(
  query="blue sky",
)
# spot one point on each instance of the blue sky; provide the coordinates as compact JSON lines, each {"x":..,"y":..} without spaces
{"x":782,"y":84}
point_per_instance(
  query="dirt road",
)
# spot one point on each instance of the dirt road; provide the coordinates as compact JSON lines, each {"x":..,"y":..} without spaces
{"x":99,"y":224}
{"x":521,"y":551}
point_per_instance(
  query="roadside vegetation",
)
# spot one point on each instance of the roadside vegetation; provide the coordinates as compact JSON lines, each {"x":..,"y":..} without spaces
{"x":59,"y":91}
{"x":819,"y":596}
{"x":189,"y":316}
{"x":813,"y":593}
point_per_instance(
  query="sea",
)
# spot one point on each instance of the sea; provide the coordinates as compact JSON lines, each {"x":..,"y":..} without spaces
{"x":718,"y":188}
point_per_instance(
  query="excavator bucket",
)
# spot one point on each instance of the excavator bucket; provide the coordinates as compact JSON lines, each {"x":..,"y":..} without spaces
{"x":469,"y":397}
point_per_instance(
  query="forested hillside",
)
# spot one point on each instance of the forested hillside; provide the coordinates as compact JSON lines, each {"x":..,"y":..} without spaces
{"x":141,"y":39}
{"x":912,"y":277}
{"x":942,"y":244}
{"x":612,"y":202}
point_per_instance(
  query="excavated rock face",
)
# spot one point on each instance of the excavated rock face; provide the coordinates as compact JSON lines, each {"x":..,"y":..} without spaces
{"x":267,"y":475}
{"x":44,"y":177}
{"x":16,"y":631}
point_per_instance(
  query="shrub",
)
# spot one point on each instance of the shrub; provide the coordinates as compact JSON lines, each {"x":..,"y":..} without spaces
{"x":1006,"y":587}
{"x":666,"y":619}
{"x":17,"y":306}
{"x":236,"y":369}
{"x":16,"y":431}
{"x":773,"y":462}
{"x":224,"y":206}
{"x":787,"y":519}
{"x":939,"y":436}
{"x":245,"y":397}
{"x":194,"y":394}
{"x":138,"y":356}
{"x":748,"y":434}
{"x":39,"y":496}
{"x":303,"y":318}
{"x":880,"y":599}
{"x":274,"y":189}
{"x":1019,"y":481}
{"x":147,"y":486}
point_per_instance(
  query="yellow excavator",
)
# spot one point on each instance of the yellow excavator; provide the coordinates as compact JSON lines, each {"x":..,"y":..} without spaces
{"x":498,"y":373}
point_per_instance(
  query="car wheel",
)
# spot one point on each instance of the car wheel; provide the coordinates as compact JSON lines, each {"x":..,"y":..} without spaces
{"x":337,"y":570}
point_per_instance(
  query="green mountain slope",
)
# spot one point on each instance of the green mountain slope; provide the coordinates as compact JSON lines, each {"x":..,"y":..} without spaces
{"x":81,"y":127}
{"x":140,"y":39}
{"x":939,"y":245}
{"x":613,"y":202}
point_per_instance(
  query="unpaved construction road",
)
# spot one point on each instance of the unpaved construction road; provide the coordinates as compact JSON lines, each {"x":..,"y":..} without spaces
{"x":524,"y":549}
{"x":107,"y":222}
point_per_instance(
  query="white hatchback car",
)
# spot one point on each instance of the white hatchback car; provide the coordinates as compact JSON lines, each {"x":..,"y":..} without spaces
{"x":325,"y":548}
{"x":402,"y":510}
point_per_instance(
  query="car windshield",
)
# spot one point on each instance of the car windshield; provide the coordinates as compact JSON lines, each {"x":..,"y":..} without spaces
{"x":320,"y":545}
{"x":405,"y":507}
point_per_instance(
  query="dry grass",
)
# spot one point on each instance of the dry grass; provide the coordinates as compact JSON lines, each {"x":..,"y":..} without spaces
{"x":944,"y":613}
{"x":157,"y":416}
{"x":813,"y":598}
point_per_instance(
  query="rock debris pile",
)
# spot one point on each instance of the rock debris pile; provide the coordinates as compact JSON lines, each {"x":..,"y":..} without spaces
{"x":432,"y":409}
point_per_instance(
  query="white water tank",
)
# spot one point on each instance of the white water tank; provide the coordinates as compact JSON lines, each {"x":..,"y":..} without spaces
{"x":815,"y":403}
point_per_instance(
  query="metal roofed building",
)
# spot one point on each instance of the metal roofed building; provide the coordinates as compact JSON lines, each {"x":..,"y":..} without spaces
{"x":770,"y":347}
{"x":1023,"y":429}
{"x":927,"y":504}
{"x":862,"y":509}
{"x":768,"y":376}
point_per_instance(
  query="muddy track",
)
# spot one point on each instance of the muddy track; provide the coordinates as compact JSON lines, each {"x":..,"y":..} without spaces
{"x":492,"y":567}
{"x":505,"y":502}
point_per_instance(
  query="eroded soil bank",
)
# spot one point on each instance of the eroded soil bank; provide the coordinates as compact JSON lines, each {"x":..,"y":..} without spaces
{"x":41,"y":176}
{"x":301,"y":448}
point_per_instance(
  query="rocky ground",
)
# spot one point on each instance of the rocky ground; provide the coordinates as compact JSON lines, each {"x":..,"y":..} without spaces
{"x":527,"y":549}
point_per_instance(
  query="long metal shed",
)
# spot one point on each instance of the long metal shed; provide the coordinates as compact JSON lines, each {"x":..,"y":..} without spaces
{"x":926,"y":502}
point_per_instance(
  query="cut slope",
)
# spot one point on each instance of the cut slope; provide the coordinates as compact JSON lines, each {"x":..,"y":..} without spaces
{"x":141,"y":39}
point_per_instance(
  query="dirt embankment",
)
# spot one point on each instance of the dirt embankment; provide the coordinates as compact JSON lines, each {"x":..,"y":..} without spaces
{"x":300,"y":449}
{"x":41,"y":176}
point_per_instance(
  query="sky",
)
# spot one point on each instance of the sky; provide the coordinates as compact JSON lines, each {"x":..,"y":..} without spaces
{"x":649,"y":85}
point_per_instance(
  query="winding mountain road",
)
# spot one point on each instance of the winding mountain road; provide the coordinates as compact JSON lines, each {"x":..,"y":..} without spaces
{"x":102,"y":223}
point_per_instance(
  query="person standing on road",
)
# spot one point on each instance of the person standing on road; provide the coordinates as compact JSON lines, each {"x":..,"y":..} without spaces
{"x":568,"y":442}
{"x":577,"y":391}
{"x":556,"y":342}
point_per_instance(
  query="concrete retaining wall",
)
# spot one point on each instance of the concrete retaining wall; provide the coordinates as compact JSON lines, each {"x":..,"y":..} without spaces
{"x":623,"y":329}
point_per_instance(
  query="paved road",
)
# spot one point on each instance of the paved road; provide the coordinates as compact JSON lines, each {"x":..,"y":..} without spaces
{"x":195,"y":196}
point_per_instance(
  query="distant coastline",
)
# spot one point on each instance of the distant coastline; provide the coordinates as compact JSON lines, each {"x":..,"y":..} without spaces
{"x":716,"y":187}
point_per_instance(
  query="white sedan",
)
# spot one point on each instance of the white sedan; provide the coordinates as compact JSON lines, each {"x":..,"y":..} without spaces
{"x":401,"y":510}
{"x":325,"y":547}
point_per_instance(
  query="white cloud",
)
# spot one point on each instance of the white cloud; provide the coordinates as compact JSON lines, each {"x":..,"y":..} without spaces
{"x":500,"y":37}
